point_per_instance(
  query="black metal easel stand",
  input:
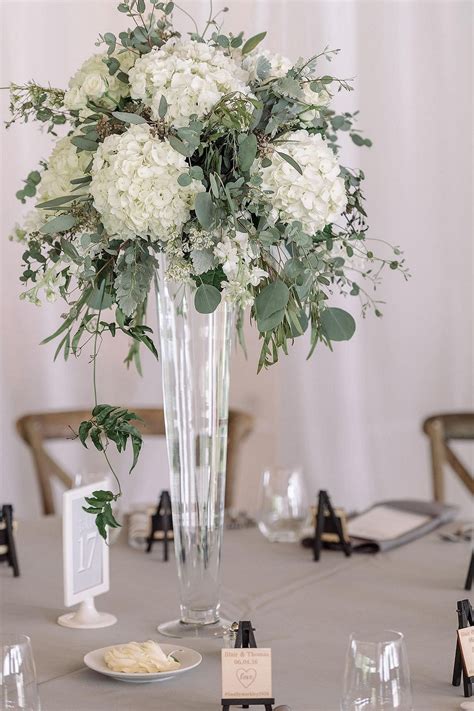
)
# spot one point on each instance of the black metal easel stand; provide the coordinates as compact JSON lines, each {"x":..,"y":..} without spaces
{"x":7,"y":539}
{"x":465,"y":619}
{"x":324,"y":504}
{"x":470,"y":574}
{"x":245,"y":639}
{"x":161,"y":521}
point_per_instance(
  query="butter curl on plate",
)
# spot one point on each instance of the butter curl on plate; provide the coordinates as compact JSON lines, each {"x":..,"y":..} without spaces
{"x":140,"y":658}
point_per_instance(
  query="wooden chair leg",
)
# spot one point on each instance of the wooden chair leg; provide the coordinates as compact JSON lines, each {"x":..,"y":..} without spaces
{"x":437,"y":460}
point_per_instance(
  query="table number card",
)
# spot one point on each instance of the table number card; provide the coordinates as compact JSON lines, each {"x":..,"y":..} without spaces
{"x":247,"y":673}
{"x":85,"y":561}
{"x":466,"y":640}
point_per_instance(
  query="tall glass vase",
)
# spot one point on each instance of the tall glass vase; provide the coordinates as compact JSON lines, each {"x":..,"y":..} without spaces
{"x":195,"y":353}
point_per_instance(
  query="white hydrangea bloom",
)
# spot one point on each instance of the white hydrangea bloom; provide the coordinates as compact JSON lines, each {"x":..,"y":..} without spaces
{"x":135,"y":189}
{"x":317,"y":197}
{"x":92,"y":81}
{"x":279,"y":65}
{"x":192,"y":76}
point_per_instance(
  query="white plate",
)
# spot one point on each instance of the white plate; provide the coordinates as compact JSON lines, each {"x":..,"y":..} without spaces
{"x":189,"y":659}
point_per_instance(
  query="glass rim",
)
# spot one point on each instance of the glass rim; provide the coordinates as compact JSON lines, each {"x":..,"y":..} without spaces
{"x":9,"y":639}
{"x":383,"y":637}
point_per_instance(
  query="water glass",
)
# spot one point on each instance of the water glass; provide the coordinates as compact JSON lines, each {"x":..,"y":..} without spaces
{"x":18,"y":688}
{"x":377,"y":675}
{"x":283,"y":505}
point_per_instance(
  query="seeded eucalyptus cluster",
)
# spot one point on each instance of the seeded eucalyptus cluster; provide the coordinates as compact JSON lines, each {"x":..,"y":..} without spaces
{"x":243,"y":236}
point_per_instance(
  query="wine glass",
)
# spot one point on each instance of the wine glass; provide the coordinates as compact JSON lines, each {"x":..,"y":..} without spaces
{"x":284,"y":505}
{"x":377,"y":675}
{"x":18,"y":687}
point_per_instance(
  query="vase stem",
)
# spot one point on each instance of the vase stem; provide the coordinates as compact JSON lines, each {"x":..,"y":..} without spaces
{"x":195,"y":353}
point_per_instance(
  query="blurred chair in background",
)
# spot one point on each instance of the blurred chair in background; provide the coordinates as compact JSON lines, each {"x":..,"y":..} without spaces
{"x":441,"y":429}
{"x":36,"y":429}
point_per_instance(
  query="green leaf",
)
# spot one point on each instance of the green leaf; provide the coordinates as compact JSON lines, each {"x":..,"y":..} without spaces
{"x":337,"y":324}
{"x":95,"y":437}
{"x":179,"y":146}
{"x":163,"y":107}
{"x":271,"y":302}
{"x":136,"y":447}
{"x":204,"y":209}
{"x":247,"y":152}
{"x":101,"y":525}
{"x":84,"y":429}
{"x":207,"y":298}
{"x":271,"y":322}
{"x":58,"y":224}
{"x":128,"y":118}
{"x":34,"y":177}
{"x":103,"y":495}
{"x":252,"y":42}
{"x":291,"y":161}
{"x":99,"y":298}
{"x":185,"y":180}
{"x":84,"y":143}
{"x":56,"y":202}
{"x":113,"y":65}
{"x":111,"y":41}
{"x":109,"y":517}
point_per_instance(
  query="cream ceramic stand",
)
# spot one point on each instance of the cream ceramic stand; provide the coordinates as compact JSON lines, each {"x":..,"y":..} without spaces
{"x":86,"y":617}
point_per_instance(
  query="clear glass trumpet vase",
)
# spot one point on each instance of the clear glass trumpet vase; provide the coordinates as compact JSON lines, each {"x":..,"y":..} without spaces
{"x":195,"y":352}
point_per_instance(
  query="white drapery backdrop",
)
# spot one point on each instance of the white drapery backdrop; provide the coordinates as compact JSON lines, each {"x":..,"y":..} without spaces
{"x":351,"y":418}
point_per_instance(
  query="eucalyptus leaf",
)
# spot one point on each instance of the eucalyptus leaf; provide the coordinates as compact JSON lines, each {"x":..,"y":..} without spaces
{"x":56,"y":202}
{"x":128,"y":117}
{"x":204,"y":208}
{"x":337,"y":324}
{"x":207,"y":298}
{"x":271,"y":301}
{"x":291,"y":161}
{"x":163,"y":107}
{"x":253,"y":42}
{"x":247,"y":152}
{"x":83,"y":143}
{"x":61,"y":223}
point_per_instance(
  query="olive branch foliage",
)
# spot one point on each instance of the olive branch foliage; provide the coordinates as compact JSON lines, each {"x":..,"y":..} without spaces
{"x":220,"y":150}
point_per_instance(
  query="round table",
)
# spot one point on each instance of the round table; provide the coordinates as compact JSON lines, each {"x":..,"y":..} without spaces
{"x":303,"y":610}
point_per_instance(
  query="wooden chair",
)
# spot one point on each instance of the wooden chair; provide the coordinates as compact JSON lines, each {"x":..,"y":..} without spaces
{"x":36,"y":429}
{"x":441,"y":429}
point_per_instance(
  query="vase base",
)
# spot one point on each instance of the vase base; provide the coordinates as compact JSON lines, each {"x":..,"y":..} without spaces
{"x":177,"y":628}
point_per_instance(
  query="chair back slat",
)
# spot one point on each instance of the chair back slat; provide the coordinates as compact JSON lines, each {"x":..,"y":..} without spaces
{"x":37,"y":428}
{"x":441,"y":429}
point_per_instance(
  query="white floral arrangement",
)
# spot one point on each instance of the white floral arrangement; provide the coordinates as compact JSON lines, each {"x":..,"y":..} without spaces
{"x":222,"y":156}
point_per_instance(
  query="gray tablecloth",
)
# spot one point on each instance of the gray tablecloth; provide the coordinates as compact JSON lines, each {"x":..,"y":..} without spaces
{"x":304,"y":610}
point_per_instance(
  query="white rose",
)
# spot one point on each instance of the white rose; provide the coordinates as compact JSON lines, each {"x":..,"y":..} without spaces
{"x":94,"y":85}
{"x":74,"y":99}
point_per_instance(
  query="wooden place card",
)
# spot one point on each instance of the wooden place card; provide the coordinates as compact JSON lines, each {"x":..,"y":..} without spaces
{"x":247,"y":673}
{"x":466,"y":640}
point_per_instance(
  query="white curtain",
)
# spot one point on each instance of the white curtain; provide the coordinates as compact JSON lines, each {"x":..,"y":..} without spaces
{"x":351,"y":418}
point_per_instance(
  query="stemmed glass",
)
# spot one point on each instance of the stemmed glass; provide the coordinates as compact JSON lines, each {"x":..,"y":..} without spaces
{"x":377,"y":675}
{"x":18,"y":687}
